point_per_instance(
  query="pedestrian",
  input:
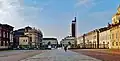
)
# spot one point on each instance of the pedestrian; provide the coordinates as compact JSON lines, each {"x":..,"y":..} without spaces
{"x":65,"y":48}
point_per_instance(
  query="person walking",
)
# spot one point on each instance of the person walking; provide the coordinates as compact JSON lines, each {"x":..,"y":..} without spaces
{"x":65,"y":48}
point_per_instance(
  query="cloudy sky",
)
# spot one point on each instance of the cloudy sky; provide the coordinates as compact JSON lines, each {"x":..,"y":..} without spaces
{"x":53,"y":17}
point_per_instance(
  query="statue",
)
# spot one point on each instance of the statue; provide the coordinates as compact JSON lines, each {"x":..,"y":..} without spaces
{"x":118,"y":10}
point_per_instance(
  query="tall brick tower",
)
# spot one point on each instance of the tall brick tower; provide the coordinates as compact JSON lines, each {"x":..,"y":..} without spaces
{"x":73,"y":28}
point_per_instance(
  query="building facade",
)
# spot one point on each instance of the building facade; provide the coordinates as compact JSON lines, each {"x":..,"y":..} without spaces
{"x":69,"y":40}
{"x":115,"y":36}
{"x":17,"y":34}
{"x":50,"y":41}
{"x":92,"y":39}
{"x":107,"y":37}
{"x":104,"y":38}
{"x":5,"y":36}
{"x":115,"y":30}
{"x":73,"y":28}
{"x":35,"y":37}
{"x":80,"y":41}
{"x":73,"y":31}
{"x":24,"y":42}
{"x":116,"y":17}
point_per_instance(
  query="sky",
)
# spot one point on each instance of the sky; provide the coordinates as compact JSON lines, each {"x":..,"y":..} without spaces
{"x":53,"y":17}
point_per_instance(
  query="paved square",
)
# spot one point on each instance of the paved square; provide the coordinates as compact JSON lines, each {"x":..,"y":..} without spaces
{"x":60,"y":55}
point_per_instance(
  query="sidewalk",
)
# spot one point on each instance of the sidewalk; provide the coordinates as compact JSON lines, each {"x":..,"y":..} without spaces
{"x":102,"y":54}
{"x":60,"y":55}
{"x":110,"y":51}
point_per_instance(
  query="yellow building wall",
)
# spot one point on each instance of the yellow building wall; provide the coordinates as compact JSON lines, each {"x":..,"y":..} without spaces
{"x":115,"y":37}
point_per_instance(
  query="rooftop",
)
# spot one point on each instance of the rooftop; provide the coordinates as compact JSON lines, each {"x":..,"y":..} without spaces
{"x":49,"y":38}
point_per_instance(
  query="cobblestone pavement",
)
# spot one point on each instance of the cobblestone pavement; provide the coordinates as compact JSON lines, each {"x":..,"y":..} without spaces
{"x":102,"y":54}
{"x":60,"y":55}
{"x":12,"y":52}
{"x":16,"y":55}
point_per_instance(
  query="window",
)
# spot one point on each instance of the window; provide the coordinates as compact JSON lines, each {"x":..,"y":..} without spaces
{"x":4,"y":34}
{"x":112,"y":36}
{"x":116,"y":43}
{"x":103,"y":42}
{"x":7,"y":43}
{"x":109,"y":36}
{"x":116,"y":35}
{"x":0,"y":33}
{"x":0,"y":42}
{"x":94,"y":37}
{"x":23,"y":40}
{"x":3,"y":43}
{"x":7,"y":34}
{"x":26,"y":40}
{"x":113,"y":43}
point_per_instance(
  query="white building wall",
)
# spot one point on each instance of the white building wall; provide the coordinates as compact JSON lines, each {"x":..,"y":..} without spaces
{"x":79,"y":40}
{"x":104,"y":38}
{"x":65,"y":42}
{"x":51,"y":41}
{"x":23,"y":41}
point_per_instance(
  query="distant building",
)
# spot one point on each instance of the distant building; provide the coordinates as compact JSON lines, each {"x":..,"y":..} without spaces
{"x":32,"y":35}
{"x":17,"y":34}
{"x":104,"y":38}
{"x":50,"y":41}
{"x":115,"y":36}
{"x":81,"y":41}
{"x":73,"y":28}
{"x":92,"y":39}
{"x":68,"y":40}
{"x":6,"y":36}
{"x":73,"y":31}
{"x":24,"y":41}
{"x":98,"y":38}
{"x":35,"y":36}
{"x":115,"y":30}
